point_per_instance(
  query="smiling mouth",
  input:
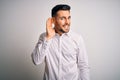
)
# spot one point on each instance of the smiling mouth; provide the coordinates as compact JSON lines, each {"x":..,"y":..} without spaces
{"x":66,"y":26}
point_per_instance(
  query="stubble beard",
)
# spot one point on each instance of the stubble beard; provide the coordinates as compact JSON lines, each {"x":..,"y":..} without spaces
{"x":67,"y":30}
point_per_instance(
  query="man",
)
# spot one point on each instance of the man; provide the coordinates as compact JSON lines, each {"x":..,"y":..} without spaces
{"x":62,"y":50}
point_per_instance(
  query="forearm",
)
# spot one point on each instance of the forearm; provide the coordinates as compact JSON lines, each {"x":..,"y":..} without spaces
{"x":83,"y":61}
{"x":40,"y":50}
{"x":83,"y":65}
{"x":84,"y":72}
{"x":38,"y":54}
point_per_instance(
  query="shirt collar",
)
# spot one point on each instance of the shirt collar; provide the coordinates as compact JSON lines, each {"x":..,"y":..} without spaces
{"x":67,"y":34}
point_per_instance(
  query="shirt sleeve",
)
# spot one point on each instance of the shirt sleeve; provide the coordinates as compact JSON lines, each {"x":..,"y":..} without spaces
{"x":40,"y":50}
{"x":83,"y":61}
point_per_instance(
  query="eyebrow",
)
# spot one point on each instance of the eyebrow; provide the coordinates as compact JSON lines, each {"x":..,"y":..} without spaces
{"x":65,"y":17}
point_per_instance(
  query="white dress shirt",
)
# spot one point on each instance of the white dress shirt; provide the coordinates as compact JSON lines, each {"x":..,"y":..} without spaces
{"x":64,"y":56}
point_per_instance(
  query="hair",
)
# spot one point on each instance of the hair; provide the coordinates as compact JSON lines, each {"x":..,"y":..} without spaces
{"x":58,"y":7}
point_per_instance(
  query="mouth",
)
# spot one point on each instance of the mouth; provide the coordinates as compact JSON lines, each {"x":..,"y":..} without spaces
{"x":66,"y":26}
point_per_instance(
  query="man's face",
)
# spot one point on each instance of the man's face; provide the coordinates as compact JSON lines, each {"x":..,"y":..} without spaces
{"x":62,"y":21}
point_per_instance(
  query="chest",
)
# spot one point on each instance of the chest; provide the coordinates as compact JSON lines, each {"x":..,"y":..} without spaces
{"x":63,"y":46}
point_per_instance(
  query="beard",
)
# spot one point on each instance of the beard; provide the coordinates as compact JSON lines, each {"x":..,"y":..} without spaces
{"x":61,"y":30}
{"x":65,"y":28}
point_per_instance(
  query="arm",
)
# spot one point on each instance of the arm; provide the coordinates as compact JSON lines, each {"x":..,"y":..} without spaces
{"x":39,"y":52}
{"x":83,"y":61}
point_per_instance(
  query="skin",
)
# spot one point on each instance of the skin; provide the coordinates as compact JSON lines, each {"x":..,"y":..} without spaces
{"x":61,"y":23}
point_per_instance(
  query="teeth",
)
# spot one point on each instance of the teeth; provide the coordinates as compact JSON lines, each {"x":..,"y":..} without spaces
{"x":66,"y":27}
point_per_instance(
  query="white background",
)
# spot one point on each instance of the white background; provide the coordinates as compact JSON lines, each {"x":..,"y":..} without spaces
{"x":22,"y":21}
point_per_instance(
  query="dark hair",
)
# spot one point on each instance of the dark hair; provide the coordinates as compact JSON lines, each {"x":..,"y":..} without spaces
{"x":59,"y":7}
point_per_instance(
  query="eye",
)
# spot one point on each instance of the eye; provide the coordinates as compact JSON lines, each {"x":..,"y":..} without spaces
{"x":62,"y":18}
{"x":69,"y":17}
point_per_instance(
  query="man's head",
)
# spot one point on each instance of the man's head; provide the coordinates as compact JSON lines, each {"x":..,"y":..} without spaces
{"x":61,"y":18}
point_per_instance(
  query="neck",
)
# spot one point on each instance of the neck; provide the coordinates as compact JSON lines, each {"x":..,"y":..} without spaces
{"x":58,"y":31}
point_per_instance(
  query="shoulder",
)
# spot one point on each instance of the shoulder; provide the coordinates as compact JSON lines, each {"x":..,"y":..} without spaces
{"x":42,"y":35}
{"x":75,"y":36}
{"x":78,"y":39}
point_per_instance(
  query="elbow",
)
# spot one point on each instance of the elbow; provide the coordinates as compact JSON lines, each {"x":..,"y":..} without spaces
{"x":35,"y":62}
{"x":83,"y":66}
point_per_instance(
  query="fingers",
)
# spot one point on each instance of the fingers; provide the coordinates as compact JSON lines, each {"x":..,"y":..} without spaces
{"x":49,"y":25}
{"x":49,"y":22}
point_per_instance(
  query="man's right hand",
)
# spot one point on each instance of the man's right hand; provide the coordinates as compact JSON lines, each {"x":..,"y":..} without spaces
{"x":49,"y":30}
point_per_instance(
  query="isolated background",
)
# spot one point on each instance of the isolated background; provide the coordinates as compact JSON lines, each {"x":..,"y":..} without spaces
{"x":22,"y":21}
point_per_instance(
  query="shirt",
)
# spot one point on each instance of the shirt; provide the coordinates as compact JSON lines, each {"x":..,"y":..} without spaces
{"x":64,"y":56}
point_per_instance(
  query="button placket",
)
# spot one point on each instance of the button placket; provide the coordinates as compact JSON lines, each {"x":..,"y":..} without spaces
{"x":60,"y":64}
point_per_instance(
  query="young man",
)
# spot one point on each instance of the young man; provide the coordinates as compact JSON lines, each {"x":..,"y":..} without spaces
{"x":62,"y":50}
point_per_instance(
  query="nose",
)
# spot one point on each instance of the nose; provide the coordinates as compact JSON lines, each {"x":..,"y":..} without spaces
{"x":67,"y":21}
